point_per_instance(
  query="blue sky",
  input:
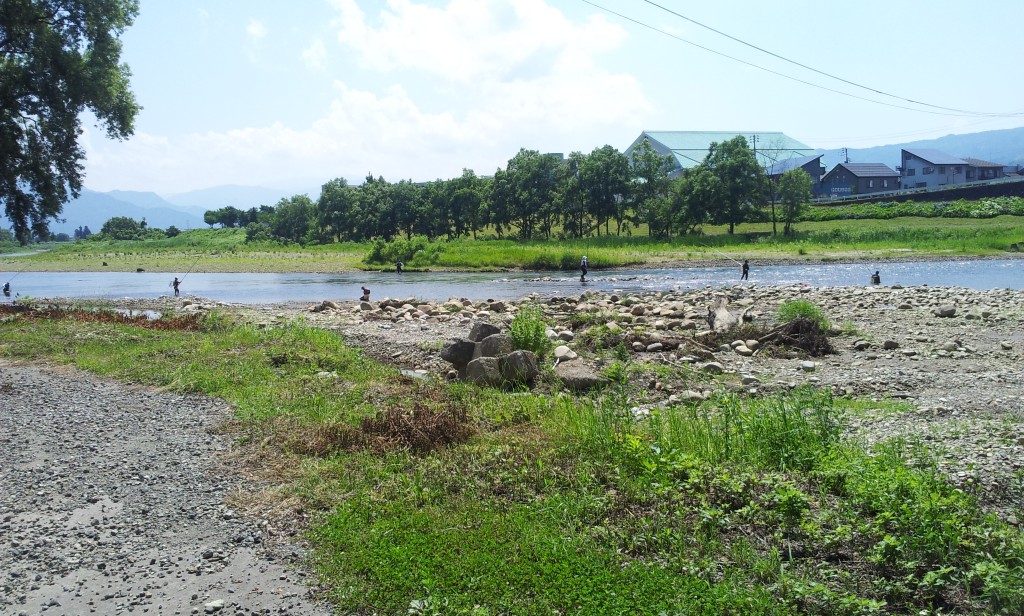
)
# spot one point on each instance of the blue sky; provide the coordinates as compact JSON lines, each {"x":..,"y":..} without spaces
{"x":268,"y":93}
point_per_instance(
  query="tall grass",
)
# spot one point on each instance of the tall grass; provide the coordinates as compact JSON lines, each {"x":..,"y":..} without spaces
{"x":791,"y":433}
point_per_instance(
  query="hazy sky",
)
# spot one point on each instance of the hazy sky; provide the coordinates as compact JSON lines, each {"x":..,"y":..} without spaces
{"x":292,"y":94}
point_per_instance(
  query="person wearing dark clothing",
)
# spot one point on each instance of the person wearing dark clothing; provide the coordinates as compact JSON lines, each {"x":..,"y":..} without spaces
{"x":398,"y":267}
{"x":7,"y":289}
{"x":583,"y":268}
{"x":176,"y":284}
{"x":875,"y":278}
{"x":745,"y":270}
{"x":366,"y":295}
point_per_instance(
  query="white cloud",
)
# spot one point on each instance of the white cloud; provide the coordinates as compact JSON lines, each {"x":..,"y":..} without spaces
{"x":256,"y":30}
{"x":470,"y":39}
{"x":502,"y":74}
{"x":315,"y":56}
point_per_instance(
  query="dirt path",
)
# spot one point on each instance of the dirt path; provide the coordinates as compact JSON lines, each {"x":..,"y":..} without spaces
{"x":112,"y":502}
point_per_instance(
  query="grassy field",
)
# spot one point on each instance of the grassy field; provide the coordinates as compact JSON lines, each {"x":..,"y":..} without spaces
{"x":439,"y":498}
{"x":225,"y":250}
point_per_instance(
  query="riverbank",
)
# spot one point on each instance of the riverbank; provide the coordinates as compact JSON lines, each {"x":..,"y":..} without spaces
{"x":889,"y":343}
{"x":542,"y":492}
{"x":227,"y":250}
{"x":317,"y":264}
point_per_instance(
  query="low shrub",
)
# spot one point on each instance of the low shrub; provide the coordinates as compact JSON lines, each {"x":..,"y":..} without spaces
{"x":793,"y":309}
{"x":529,"y":330}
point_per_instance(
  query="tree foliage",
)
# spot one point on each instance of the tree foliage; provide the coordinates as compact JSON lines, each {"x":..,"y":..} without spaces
{"x":794,"y":193}
{"x":650,"y":188}
{"x":58,"y":59}
{"x":124,"y":228}
{"x":535,"y":196}
{"x":739,"y":174}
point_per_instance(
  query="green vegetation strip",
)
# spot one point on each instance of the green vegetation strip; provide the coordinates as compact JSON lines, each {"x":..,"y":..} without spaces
{"x":846,"y":237}
{"x":438,"y":498}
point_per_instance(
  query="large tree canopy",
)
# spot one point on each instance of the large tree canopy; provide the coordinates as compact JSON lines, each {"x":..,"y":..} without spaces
{"x":58,"y":59}
{"x":739,"y":175}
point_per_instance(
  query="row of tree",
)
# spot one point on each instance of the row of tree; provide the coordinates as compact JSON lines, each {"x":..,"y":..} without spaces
{"x":540,"y":196}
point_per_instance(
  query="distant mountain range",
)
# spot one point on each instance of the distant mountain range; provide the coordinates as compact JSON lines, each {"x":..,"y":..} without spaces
{"x":184,"y":211}
{"x":997,"y":146}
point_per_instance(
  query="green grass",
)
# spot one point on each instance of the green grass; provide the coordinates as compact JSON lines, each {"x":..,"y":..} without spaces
{"x":801,"y":308}
{"x":225,"y":250}
{"x":556,"y":504}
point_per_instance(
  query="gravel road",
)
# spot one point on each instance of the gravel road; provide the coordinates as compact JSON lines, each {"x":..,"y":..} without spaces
{"x":112,"y":502}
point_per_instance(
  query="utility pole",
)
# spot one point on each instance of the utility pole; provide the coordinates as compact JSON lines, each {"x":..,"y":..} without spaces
{"x":846,"y":155}
{"x":753,"y":140}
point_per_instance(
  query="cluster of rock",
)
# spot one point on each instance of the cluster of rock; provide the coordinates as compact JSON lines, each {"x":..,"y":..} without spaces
{"x":489,"y":357}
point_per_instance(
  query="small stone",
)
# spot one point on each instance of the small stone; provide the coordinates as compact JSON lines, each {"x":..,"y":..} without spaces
{"x":564,"y":353}
{"x":214,"y":606}
{"x":713,"y":367}
{"x":808,"y":366}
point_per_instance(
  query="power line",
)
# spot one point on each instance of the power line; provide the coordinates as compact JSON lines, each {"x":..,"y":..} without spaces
{"x":949,"y":111}
{"x":812,"y":69}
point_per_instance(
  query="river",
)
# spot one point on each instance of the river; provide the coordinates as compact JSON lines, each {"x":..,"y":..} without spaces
{"x":271,"y":288}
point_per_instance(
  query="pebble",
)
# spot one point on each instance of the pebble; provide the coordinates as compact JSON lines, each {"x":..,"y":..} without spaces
{"x":120,"y":489}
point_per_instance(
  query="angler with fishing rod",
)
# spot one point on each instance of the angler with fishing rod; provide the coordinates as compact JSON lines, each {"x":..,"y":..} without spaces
{"x":744,"y":267}
{"x":177,"y":283}
{"x":7,"y":285}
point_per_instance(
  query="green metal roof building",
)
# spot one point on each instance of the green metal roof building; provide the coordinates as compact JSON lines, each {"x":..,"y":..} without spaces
{"x":689,"y":148}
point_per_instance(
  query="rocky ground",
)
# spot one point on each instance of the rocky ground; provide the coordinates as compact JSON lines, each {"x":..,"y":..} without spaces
{"x":114,"y":502}
{"x":115,"y":498}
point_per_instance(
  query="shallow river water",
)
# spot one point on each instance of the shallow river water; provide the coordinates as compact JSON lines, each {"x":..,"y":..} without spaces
{"x":270,"y":288}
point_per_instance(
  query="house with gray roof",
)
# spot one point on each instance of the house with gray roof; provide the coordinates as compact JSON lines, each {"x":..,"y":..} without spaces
{"x":979,"y":169}
{"x":859,"y":179}
{"x":811,"y":165}
{"x":689,"y":148}
{"x":925,"y":168}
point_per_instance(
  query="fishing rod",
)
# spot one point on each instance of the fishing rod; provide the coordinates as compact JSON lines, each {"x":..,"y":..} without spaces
{"x":182,"y":279}
{"x":720,"y":252}
{"x":16,"y":274}
{"x":194,"y":263}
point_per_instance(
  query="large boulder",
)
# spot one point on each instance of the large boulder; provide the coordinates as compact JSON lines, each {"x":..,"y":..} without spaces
{"x":495,"y":345}
{"x":484,"y":371}
{"x":459,"y":352}
{"x":482,"y":330}
{"x":579,"y":377}
{"x":518,"y":367}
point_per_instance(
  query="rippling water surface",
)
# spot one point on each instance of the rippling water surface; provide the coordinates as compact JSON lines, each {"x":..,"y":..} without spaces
{"x":260,"y":288}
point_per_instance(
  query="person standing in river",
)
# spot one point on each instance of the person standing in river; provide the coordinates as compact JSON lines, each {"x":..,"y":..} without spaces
{"x":7,"y":289}
{"x":876,"y":278}
{"x":366,"y":295}
{"x":745,"y":270}
{"x":583,"y":268}
{"x":176,"y":284}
